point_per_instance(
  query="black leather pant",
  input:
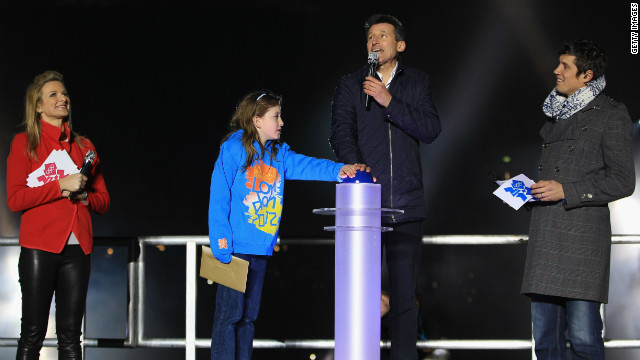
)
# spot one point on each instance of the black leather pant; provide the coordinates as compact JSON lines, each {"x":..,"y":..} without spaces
{"x":41,"y":274}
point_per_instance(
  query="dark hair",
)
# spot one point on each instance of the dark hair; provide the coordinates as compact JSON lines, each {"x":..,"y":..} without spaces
{"x":588,"y":56}
{"x":255,"y":103}
{"x":398,"y":28}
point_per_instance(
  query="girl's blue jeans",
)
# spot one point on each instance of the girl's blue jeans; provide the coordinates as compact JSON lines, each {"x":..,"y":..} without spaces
{"x":232,"y":337}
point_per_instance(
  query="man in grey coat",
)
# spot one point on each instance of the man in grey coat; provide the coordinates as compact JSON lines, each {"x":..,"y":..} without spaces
{"x":586,"y":163}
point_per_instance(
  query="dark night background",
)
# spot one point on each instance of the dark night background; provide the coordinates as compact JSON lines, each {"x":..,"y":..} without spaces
{"x":153,"y":85}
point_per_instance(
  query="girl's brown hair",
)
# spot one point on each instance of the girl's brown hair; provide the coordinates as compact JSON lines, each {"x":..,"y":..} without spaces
{"x":254,"y":104}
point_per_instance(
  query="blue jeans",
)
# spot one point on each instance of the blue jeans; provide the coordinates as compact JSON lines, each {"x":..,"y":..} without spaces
{"x":232,"y":336}
{"x":552,"y":316}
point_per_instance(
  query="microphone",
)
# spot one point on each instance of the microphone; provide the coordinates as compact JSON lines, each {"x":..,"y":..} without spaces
{"x":88,"y":160}
{"x":373,"y":65}
{"x":86,"y":164}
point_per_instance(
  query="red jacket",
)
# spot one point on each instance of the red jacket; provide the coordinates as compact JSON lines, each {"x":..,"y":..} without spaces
{"x":47,"y":218}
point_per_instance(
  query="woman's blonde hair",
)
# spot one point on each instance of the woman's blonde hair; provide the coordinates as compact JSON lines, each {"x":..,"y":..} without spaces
{"x":254,"y":104}
{"x":31,"y":115}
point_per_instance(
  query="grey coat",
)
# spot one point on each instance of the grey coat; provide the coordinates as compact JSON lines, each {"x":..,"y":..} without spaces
{"x":570,"y":243}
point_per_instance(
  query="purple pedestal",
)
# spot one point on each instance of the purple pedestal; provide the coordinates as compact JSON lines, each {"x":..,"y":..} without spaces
{"x":357,"y":272}
{"x":357,"y":269}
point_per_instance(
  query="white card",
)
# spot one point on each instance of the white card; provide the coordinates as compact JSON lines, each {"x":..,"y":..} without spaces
{"x":515,"y":191}
{"x":57,"y":165}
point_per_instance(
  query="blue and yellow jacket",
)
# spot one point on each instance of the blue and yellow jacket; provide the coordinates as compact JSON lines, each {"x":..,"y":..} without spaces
{"x":245,"y":206}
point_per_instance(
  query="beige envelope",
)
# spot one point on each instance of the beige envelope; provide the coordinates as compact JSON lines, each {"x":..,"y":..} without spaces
{"x":232,"y":275}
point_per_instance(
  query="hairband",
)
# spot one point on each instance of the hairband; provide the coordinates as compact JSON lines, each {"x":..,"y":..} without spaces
{"x":259,"y":97}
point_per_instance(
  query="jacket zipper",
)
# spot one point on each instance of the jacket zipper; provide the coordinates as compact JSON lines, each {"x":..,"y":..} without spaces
{"x":393,"y":218}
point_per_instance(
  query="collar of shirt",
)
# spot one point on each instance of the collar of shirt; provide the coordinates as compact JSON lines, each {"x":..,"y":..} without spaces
{"x":57,"y":134}
{"x":393,"y":73}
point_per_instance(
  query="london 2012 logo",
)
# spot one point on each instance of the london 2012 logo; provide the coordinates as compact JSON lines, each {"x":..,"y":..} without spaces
{"x":264,"y":201}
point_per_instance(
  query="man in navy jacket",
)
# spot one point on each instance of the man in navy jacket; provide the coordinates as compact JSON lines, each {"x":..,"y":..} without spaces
{"x":386,"y":136}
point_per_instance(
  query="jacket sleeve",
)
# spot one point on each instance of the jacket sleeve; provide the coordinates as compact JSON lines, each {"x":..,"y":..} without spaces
{"x":420,"y":120}
{"x":98,"y":199}
{"x":619,"y":171}
{"x":20,"y":197}
{"x":301,"y":167}
{"x":220,"y":233}
{"x":343,"y":136}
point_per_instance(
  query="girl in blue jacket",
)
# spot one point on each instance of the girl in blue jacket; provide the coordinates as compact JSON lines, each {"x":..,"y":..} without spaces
{"x":245,"y":206}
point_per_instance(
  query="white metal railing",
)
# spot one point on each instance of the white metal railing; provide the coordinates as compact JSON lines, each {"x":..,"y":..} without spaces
{"x":136,"y":279}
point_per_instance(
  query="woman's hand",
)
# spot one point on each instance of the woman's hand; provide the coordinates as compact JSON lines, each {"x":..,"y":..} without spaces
{"x":72,"y":183}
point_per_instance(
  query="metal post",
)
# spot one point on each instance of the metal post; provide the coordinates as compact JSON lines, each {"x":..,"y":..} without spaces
{"x":133,"y":291}
{"x":141,"y":293}
{"x":190,"y":324}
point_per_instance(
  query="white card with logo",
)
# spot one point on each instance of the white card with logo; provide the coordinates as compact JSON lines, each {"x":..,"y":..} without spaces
{"x":515,"y":191}
{"x":57,"y":165}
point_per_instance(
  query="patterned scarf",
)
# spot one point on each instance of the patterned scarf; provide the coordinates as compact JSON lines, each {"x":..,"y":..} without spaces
{"x":559,"y":107}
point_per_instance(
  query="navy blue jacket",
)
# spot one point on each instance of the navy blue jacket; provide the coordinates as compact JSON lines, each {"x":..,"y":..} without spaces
{"x":387,"y":140}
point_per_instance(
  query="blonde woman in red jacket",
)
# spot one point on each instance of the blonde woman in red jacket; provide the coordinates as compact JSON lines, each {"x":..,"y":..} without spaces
{"x":56,"y":236}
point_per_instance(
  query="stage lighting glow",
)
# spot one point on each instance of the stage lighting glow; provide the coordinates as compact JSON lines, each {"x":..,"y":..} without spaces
{"x":506,"y":159}
{"x":624,"y":215}
{"x":10,"y":292}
